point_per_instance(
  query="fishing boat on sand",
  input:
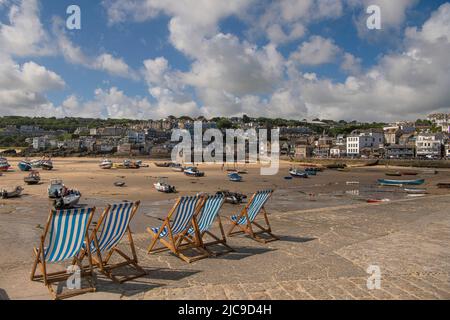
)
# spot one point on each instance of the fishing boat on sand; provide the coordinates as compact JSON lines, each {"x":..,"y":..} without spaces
{"x":415,"y":191}
{"x":55,"y":188}
{"x":297,"y":173}
{"x":68,"y":200}
{"x":24,"y":166}
{"x":163,"y":186}
{"x":378,"y":200}
{"x":47,"y":164}
{"x":443,"y":185}
{"x":33,"y":178}
{"x":232,"y":197}
{"x":4,"y":165}
{"x":163,"y":164}
{"x":193,"y":172}
{"x":106,"y":164}
{"x":235,"y":177}
{"x":385,"y":182}
{"x":5,"y":194}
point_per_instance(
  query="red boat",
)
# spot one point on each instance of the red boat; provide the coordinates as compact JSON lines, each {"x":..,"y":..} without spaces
{"x":378,"y":200}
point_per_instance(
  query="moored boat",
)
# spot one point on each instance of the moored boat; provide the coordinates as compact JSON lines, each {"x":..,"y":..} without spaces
{"x":297,"y":173}
{"x":393,"y":174}
{"x":193,"y":172}
{"x":443,"y":185}
{"x":106,"y":164}
{"x":163,"y":186}
{"x":378,"y":200}
{"x":33,"y":178}
{"x":5,"y":194}
{"x":24,"y":166}
{"x":387,"y":182}
{"x":4,"y":165}
{"x":235,"y":177}
{"x":47,"y":164}
{"x":68,"y":200}
{"x":55,"y":188}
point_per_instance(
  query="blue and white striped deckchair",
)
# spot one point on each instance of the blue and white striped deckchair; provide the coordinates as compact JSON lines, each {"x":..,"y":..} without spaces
{"x":67,"y":232}
{"x":207,"y":216}
{"x":246,"y":219}
{"x":176,"y":226}
{"x":114,"y":223}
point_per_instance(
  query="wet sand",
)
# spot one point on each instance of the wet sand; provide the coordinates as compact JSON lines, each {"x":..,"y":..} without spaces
{"x":328,"y":189}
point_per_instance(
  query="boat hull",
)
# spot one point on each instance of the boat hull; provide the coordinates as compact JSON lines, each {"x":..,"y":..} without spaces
{"x":386,"y":182}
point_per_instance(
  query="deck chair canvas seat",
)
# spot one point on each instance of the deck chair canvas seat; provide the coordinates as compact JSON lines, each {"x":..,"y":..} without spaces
{"x":205,"y":221}
{"x":173,"y":232}
{"x":66,"y":233}
{"x":112,"y":227}
{"x":245,"y":221}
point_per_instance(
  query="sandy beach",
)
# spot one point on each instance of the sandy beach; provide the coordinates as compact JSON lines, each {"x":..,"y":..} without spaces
{"x":326,"y":204}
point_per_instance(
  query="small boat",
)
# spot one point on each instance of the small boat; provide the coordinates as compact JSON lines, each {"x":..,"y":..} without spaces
{"x":163,"y":164}
{"x":4,"y":165}
{"x":336,"y":166}
{"x":386,"y":182}
{"x":5,"y":194}
{"x":163,"y":186}
{"x":68,"y":200}
{"x":378,"y":200}
{"x":24,"y":166}
{"x":193,"y":172}
{"x":394,"y":174}
{"x":235,"y":177}
{"x":443,"y":185}
{"x":47,"y":164}
{"x":36,"y":164}
{"x":128,"y":164}
{"x":415,"y":191}
{"x":430,"y":172}
{"x":120,"y":184}
{"x":106,"y":164}
{"x":288,"y":178}
{"x":33,"y":178}
{"x":297,"y":173}
{"x":55,"y":188}
{"x":232,"y":197}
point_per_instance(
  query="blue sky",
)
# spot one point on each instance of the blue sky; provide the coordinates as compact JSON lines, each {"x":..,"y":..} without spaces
{"x":226,"y":61}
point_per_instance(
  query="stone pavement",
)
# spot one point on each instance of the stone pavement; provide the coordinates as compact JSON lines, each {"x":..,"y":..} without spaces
{"x":323,"y":254}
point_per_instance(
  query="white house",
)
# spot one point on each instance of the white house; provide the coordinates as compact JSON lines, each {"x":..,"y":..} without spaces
{"x":430,"y":145}
{"x":363,"y":140}
{"x":338,"y":151}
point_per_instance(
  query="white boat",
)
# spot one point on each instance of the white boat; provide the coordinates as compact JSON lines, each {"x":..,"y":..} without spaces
{"x":297,"y":173}
{"x":55,"y":188}
{"x":193,"y":172}
{"x":163,"y":186}
{"x":68,"y":200}
{"x":106,"y":164}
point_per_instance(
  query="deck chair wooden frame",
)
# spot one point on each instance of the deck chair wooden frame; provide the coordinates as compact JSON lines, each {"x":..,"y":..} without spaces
{"x":102,"y":259}
{"x":175,"y":242}
{"x":247,"y":227}
{"x":77,"y":260}
{"x":199,"y":235}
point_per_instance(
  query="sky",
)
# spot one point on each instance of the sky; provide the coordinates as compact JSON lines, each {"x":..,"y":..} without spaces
{"x":296,"y":59}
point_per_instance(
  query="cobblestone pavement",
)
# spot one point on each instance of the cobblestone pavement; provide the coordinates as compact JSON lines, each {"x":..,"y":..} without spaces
{"x":322,"y":254}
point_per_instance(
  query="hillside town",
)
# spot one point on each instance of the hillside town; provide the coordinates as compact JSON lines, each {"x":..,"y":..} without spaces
{"x":423,"y":139}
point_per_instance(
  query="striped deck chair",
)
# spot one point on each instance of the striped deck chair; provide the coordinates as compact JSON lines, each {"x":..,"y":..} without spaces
{"x":67,"y":232}
{"x":207,"y":216}
{"x":175,"y":227}
{"x":114,"y":223}
{"x":246,"y":219}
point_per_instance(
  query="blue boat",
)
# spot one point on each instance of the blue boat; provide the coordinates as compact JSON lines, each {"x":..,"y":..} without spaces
{"x":386,"y":182}
{"x":24,"y":166}
{"x":235,"y":177}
